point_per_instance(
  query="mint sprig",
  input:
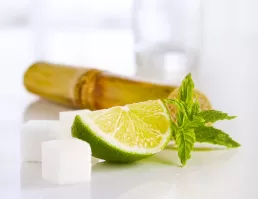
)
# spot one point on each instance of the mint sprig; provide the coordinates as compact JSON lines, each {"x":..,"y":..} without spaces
{"x":212,"y":135}
{"x":185,"y":139}
{"x":213,"y":116}
{"x":190,"y":125}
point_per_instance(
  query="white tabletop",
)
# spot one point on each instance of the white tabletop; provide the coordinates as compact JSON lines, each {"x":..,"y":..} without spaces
{"x":227,"y":73}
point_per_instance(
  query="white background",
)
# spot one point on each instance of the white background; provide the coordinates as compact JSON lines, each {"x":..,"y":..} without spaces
{"x":21,"y":12}
{"x":227,"y":73}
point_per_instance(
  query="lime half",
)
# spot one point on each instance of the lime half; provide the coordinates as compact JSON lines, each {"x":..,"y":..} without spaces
{"x":127,"y":133}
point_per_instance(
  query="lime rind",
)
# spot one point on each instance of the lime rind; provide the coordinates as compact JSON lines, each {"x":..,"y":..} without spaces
{"x":106,"y":147}
{"x":100,"y":148}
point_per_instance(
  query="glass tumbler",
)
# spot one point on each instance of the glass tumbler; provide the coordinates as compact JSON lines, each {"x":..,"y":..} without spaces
{"x":167,"y":37}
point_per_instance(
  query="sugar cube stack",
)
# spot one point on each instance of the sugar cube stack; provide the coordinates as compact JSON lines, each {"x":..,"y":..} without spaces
{"x":66,"y":118}
{"x":66,"y":161}
{"x":35,"y":132}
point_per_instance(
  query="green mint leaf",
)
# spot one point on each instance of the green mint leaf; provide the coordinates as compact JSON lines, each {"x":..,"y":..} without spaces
{"x":189,"y":125}
{"x":213,"y":116}
{"x":212,"y":135}
{"x":196,"y":122}
{"x":180,"y":118}
{"x":195,"y":110}
{"x":179,"y":104}
{"x":185,"y":139}
{"x":186,"y":90}
{"x":181,"y":115}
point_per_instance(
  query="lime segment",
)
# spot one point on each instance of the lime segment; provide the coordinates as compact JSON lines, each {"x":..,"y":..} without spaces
{"x":128,"y":133}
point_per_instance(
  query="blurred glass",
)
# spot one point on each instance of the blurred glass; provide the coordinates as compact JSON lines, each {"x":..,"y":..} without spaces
{"x":84,"y":32}
{"x":167,"y":36}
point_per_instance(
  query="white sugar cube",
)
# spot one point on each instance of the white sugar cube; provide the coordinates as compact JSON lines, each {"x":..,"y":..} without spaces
{"x":66,"y":161}
{"x":66,"y":118}
{"x":35,"y":132}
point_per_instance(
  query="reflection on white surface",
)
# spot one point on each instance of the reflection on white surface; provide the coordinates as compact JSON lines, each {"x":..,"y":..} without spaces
{"x":153,"y":190}
{"x":43,"y":110}
{"x":30,"y":176}
{"x":157,"y":177}
{"x":34,"y":187}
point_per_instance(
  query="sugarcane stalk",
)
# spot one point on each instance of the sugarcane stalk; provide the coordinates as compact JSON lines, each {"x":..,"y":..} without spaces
{"x":89,"y":88}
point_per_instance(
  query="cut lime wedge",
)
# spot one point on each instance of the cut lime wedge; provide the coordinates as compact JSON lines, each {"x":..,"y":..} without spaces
{"x":125,"y":134}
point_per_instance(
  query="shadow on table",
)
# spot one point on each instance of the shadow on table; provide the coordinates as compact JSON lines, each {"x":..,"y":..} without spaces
{"x":136,"y":180}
